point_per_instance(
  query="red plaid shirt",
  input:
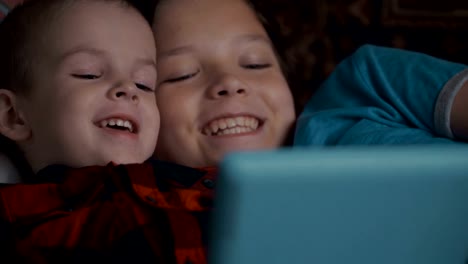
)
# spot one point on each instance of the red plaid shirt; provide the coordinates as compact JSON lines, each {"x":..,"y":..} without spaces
{"x":154,"y":212}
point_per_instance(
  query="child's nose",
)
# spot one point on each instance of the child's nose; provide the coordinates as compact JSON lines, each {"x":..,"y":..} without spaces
{"x":227,"y":85}
{"x":124,"y":91}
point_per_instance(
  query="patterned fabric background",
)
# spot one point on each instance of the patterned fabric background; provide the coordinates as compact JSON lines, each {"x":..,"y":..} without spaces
{"x":320,"y":33}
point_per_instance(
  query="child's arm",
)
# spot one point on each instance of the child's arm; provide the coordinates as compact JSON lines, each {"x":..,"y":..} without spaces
{"x":384,"y":96}
{"x":459,"y":114}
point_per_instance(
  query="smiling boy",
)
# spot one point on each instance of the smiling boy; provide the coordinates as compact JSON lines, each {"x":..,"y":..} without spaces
{"x":75,"y":88}
{"x":235,"y":95}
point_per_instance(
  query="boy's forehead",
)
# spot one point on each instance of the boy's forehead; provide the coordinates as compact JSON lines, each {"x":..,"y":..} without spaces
{"x":208,"y":9}
{"x":181,"y":19}
{"x":92,"y":25}
{"x":55,"y":35}
{"x":89,"y":27}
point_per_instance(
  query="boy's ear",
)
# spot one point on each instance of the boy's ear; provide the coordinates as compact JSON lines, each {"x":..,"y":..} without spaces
{"x":12,"y":122}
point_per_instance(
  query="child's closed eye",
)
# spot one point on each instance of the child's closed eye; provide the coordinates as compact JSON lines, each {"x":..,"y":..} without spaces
{"x":256,"y":66}
{"x":87,"y":76}
{"x":144,"y":87}
{"x":182,"y":77}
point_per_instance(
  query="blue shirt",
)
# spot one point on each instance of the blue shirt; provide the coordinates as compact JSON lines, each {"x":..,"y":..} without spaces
{"x":383,"y":96}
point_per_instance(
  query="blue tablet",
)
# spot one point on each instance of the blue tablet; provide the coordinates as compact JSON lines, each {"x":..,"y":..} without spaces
{"x":359,"y":205}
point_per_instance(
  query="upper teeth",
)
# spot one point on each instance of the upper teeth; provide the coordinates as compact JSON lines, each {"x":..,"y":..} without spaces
{"x":235,"y":125}
{"x":117,"y":122}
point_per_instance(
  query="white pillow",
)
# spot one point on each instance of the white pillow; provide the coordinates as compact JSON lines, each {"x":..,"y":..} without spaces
{"x":8,"y":173}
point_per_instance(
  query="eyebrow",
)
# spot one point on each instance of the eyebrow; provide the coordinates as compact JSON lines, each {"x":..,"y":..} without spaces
{"x":253,"y":38}
{"x":82,"y":49}
{"x":237,"y":40}
{"x":101,"y":53}
{"x":176,"y":51}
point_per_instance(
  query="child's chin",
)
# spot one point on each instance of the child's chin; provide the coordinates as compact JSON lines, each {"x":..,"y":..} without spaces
{"x":128,"y":160}
{"x":108,"y":161}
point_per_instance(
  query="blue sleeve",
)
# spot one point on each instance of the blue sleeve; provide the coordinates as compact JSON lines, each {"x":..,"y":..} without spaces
{"x":378,"y":96}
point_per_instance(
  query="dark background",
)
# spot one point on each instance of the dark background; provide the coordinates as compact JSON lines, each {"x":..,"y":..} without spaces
{"x":320,"y":33}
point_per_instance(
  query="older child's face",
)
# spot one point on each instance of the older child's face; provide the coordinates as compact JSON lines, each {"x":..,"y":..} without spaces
{"x":93,"y":101}
{"x":220,"y":86}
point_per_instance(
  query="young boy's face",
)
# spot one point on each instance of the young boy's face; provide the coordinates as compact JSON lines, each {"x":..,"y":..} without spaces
{"x":93,"y":98}
{"x":220,"y":86}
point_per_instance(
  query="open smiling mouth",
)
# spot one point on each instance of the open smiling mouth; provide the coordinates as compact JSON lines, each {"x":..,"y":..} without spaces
{"x":118,"y":124}
{"x":232,"y":126}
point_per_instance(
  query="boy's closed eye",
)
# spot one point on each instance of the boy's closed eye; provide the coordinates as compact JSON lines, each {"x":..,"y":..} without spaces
{"x":256,"y":66}
{"x":87,"y":76}
{"x":144,"y":87}
{"x":181,"y":77}
{"x":145,"y":79}
{"x":257,"y":59}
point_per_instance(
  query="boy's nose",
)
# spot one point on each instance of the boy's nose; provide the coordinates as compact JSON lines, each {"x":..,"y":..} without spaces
{"x":227,"y":85}
{"x":124,"y":91}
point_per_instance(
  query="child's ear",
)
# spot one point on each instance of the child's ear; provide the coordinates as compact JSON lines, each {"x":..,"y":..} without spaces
{"x":12,"y":122}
